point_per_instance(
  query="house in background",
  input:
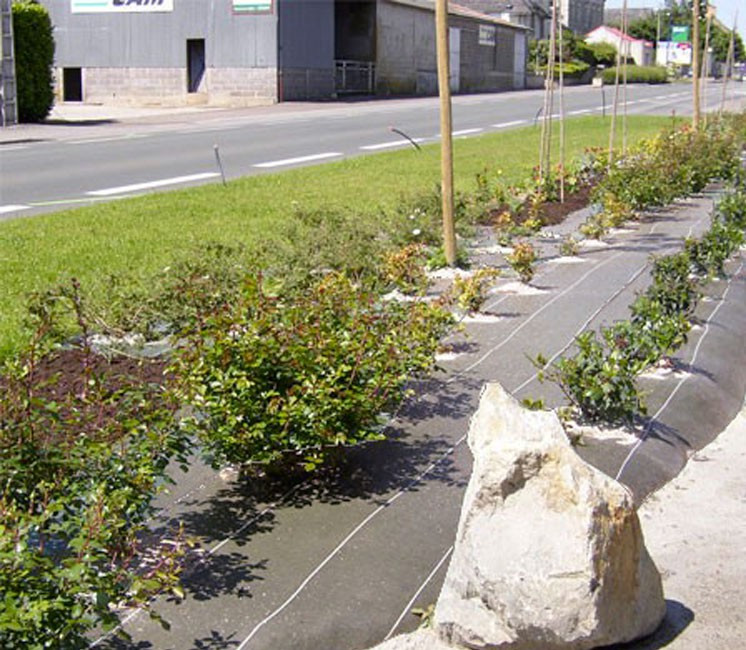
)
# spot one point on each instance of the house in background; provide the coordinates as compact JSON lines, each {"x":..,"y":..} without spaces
{"x":580,"y":16}
{"x":244,"y":52}
{"x":536,"y":15}
{"x":643,"y":52}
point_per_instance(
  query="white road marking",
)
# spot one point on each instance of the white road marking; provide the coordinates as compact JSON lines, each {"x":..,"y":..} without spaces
{"x":135,"y":187}
{"x":300,"y":159}
{"x":17,"y":147}
{"x":114,"y":138}
{"x":505,"y":125}
{"x":455,"y":134}
{"x":389,"y":145}
{"x":581,"y":111}
{"x":6,"y":209}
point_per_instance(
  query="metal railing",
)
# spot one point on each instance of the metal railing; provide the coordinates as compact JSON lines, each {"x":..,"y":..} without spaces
{"x":355,"y":77}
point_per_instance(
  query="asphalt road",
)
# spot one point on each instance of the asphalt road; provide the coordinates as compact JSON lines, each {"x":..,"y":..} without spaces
{"x":62,"y":166}
{"x":337,"y":562}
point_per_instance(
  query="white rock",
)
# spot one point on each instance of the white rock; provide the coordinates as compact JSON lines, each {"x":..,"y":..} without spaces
{"x":420,"y":640}
{"x":549,"y":553}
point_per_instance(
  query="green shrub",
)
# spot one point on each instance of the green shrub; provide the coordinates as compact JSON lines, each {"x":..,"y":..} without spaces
{"x":598,"y":382}
{"x":34,"y":57}
{"x":80,"y":462}
{"x":644,"y":74}
{"x":304,"y":373}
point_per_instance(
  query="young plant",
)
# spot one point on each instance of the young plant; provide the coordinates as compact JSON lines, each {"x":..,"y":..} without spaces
{"x":522,"y":260}
{"x":404,"y":268}
{"x":470,"y":292}
{"x":569,"y":246}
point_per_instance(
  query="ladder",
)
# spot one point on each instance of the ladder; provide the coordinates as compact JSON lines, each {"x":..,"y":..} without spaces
{"x":8,"y":97}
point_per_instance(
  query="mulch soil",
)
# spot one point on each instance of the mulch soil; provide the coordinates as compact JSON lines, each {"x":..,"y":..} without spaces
{"x":63,"y":376}
{"x":88,"y":389}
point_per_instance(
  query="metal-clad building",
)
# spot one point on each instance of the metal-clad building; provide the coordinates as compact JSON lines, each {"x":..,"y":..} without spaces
{"x":242,"y":52}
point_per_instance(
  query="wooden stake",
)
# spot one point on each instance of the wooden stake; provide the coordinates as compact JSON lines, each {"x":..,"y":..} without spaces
{"x":615,"y":108}
{"x":446,"y":129}
{"x":625,"y":27}
{"x":706,"y":62}
{"x":561,"y":114}
{"x":729,"y":62}
{"x":695,"y":65}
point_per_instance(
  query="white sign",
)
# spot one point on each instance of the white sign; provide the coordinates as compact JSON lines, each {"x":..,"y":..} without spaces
{"x":487,"y":35}
{"x":252,"y":6}
{"x":670,"y":53}
{"x":119,"y":6}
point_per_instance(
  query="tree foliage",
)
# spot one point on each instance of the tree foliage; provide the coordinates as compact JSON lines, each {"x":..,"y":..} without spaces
{"x":34,"y":57}
{"x":680,"y":14}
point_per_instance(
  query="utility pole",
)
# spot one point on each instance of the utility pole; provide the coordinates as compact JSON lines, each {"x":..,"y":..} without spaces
{"x":8,"y":96}
{"x":446,"y":138}
{"x":695,"y":64}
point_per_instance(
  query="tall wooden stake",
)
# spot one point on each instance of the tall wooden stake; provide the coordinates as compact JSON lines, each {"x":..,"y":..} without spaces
{"x":729,"y":62}
{"x":625,"y":28}
{"x":615,"y":108}
{"x":546,"y":125}
{"x":561,"y":112}
{"x":706,"y":62}
{"x":446,"y":138}
{"x":695,"y":65}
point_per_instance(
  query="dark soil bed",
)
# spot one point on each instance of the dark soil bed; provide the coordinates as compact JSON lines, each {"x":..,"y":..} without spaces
{"x":73,"y":392}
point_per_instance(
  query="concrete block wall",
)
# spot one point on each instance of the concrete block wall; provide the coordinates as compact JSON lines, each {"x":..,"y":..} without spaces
{"x":241,"y":86}
{"x":157,"y":86}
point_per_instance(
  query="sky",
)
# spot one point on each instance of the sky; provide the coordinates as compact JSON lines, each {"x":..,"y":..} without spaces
{"x":725,"y":10}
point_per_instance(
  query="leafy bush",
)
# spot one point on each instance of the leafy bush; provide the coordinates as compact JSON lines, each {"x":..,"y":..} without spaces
{"x":597,"y":53}
{"x":522,"y":260}
{"x":80,"y":464}
{"x":643,"y":74}
{"x":469,"y":292}
{"x":34,"y":57}
{"x":276,"y":375}
{"x":599,"y":382}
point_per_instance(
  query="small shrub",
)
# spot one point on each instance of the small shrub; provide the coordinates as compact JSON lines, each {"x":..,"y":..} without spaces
{"x":302,"y":374}
{"x":469,"y":292}
{"x":404,"y":268}
{"x":522,"y":260}
{"x":569,"y":246}
{"x":598,"y":382}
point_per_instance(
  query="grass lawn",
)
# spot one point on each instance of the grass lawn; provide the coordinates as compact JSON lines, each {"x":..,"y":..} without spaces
{"x":147,"y":233}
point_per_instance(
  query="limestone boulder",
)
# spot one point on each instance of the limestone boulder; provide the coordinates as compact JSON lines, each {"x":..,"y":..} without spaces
{"x":425,"y":639}
{"x":549,"y":552}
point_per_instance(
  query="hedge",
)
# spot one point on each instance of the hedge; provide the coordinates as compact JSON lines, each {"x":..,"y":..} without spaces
{"x":34,"y":55}
{"x":650,"y":74}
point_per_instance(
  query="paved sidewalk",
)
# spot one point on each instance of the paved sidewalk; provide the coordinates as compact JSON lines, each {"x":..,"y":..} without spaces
{"x":695,"y":529}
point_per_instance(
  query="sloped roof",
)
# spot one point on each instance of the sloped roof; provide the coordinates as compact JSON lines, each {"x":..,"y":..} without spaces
{"x":459,"y":10}
{"x":620,"y":35}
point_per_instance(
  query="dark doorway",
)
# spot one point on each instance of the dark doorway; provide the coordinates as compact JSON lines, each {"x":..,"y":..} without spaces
{"x":195,"y":64}
{"x":72,"y":85}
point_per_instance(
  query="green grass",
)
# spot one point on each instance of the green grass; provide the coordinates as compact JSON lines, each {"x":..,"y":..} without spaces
{"x":147,"y":233}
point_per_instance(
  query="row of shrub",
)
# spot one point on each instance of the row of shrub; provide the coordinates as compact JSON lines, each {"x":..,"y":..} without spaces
{"x":675,"y":163}
{"x":641,"y":74}
{"x":599,"y":380}
{"x":285,"y":355}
